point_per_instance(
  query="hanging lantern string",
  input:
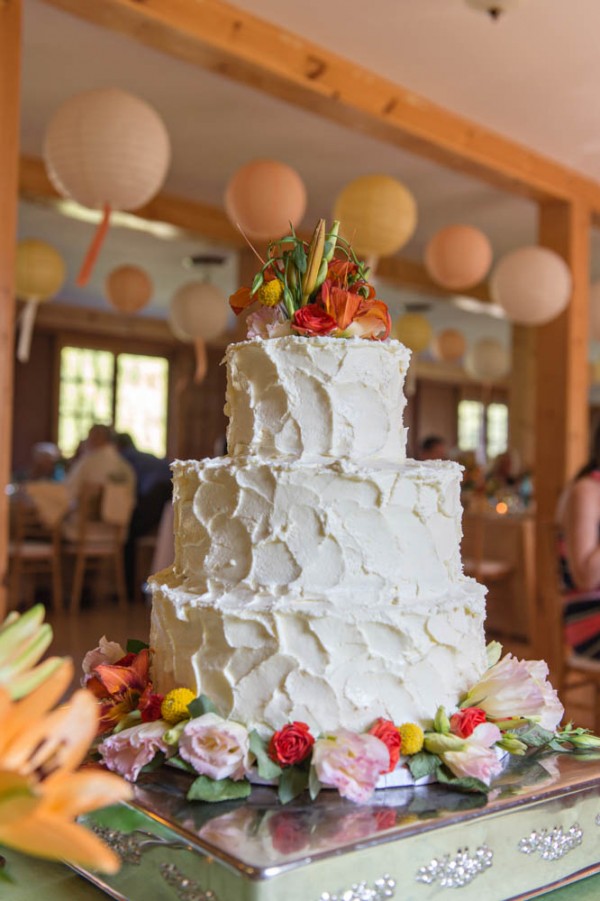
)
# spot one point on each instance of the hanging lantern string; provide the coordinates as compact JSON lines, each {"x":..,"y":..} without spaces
{"x":95,"y":247}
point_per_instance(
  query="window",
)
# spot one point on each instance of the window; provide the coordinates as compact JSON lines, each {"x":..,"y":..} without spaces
{"x":471,"y":432}
{"x":129,"y":390}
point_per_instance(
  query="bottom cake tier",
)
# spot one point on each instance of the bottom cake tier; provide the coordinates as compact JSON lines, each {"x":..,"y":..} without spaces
{"x":266,"y":662}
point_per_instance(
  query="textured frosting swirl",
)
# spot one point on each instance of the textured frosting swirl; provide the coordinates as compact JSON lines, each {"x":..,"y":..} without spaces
{"x":385,"y":534}
{"x":265,"y":662}
{"x":316,"y":397}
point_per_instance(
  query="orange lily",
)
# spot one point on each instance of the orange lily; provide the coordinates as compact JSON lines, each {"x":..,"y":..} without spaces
{"x":342,"y":305}
{"x":241,"y":299}
{"x":40,"y":794}
{"x":118,"y":686}
{"x":372,"y":320}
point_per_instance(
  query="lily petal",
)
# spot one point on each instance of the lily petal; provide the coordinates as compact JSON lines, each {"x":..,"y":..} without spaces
{"x":117,"y":678}
{"x":373,"y":321}
{"x":52,"y":838}
{"x":240,"y":300}
{"x":35,"y":705}
{"x":72,"y":794}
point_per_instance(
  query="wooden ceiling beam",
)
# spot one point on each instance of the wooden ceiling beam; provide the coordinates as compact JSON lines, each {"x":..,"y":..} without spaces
{"x":218,"y":37}
{"x":211,"y":224}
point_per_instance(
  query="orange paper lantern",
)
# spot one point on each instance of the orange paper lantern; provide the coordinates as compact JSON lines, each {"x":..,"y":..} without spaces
{"x":449,"y":346}
{"x":458,"y":257}
{"x":129,"y":288}
{"x":264,"y":197}
{"x":107,"y":150}
{"x":377,"y":215}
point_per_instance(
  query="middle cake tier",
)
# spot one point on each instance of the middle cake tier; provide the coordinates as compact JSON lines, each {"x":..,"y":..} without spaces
{"x":389,"y":534}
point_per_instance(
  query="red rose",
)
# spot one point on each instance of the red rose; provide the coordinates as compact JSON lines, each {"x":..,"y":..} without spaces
{"x":312,"y":320}
{"x":463,"y":722}
{"x":150,"y":704}
{"x":386,"y":732}
{"x":291,"y":744}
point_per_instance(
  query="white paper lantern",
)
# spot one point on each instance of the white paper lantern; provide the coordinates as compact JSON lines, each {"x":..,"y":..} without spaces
{"x":107,"y":150}
{"x":487,"y":360}
{"x":198,"y":310}
{"x":532,"y":285}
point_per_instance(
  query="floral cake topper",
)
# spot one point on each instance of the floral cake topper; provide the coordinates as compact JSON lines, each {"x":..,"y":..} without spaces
{"x":305,"y":289}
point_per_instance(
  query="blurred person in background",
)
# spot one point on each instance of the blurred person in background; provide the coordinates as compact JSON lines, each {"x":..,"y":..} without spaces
{"x":433,"y":447}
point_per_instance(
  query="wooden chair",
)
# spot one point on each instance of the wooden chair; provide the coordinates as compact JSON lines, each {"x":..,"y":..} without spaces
{"x":97,"y":539}
{"x":573,"y":670}
{"x":34,"y":550}
{"x":499,"y":551}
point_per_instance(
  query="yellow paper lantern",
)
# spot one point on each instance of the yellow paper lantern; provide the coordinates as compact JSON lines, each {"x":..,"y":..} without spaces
{"x":414,"y":331}
{"x":107,"y":150}
{"x":532,"y":285}
{"x":129,"y":288}
{"x":40,"y":272}
{"x":377,"y":214}
{"x":264,"y":197}
{"x":487,"y":360}
{"x":449,"y":345}
{"x":198,"y":310}
{"x":458,"y":257}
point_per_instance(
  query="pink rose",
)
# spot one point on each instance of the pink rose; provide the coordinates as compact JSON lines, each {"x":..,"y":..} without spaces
{"x":216,"y":747}
{"x":107,"y":652}
{"x":128,"y":751}
{"x":268,"y":322}
{"x":465,"y":721}
{"x":478,"y":757}
{"x":351,"y":763}
{"x":517,"y":688}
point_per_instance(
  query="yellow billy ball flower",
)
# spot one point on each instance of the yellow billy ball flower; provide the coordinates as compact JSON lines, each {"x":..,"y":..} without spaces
{"x":174,"y":707}
{"x":412,"y":739}
{"x":270,"y":293}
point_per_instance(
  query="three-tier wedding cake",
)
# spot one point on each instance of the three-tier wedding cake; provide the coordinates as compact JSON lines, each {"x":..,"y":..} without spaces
{"x":317,"y":573}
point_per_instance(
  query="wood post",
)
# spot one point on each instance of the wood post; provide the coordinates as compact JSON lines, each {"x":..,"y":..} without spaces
{"x":561,"y":406}
{"x":10,"y":67}
{"x":521,"y":404}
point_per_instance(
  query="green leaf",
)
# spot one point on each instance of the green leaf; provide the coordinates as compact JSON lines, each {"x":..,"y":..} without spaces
{"x":534,"y":736}
{"x":156,"y":762}
{"x":5,"y":875}
{"x":299,"y":258}
{"x":423,"y":764}
{"x":314,"y":785}
{"x":258,"y":280}
{"x":289,"y":301}
{"x":201,"y":705}
{"x":267,"y":768}
{"x":180,"y":764}
{"x":292,"y":782}
{"x":465,"y":784}
{"x":205,"y":789}
{"x":134,"y":646}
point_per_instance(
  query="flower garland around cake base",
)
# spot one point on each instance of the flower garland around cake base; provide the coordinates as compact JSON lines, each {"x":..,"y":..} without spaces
{"x":512,"y":708}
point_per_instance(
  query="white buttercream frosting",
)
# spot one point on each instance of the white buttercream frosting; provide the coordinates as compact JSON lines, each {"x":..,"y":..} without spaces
{"x":317,"y":573}
{"x":317,"y":397}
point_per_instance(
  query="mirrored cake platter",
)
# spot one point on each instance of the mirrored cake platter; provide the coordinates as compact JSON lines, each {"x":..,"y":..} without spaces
{"x":539,"y":830}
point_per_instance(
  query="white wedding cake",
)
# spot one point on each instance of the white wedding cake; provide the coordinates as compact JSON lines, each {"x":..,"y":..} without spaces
{"x":317,"y":573}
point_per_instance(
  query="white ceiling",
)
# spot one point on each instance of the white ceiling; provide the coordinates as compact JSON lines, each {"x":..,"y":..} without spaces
{"x":533,"y":76}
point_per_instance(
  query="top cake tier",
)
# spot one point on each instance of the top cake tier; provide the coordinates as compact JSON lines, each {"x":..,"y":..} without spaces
{"x":311,"y":398}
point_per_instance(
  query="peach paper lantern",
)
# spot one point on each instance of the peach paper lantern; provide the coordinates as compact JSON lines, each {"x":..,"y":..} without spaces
{"x":40,"y":274}
{"x":129,"y":288}
{"x":532,"y":285}
{"x":449,"y":345}
{"x":458,"y":257}
{"x":377,"y":214}
{"x":414,"y":331}
{"x":487,"y":360}
{"x":264,"y":197}
{"x":108,"y":150}
{"x":198,"y":312}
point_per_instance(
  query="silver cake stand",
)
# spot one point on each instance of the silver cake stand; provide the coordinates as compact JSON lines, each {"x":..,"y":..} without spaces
{"x":539,"y":830}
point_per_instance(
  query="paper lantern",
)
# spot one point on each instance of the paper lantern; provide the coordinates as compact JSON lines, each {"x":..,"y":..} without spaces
{"x":107,"y":150}
{"x":487,"y":360}
{"x":532,"y":285}
{"x":40,"y":272}
{"x":458,"y":257}
{"x":264,"y":197}
{"x":414,"y":331}
{"x":449,"y":346}
{"x":198,"y":310}
{"x":377,"y":214}
{"x":129,"y":288}
{"x":595,"y":311}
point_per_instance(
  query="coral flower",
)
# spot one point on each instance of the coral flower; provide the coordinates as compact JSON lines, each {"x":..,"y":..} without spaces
{"x":118,"y":687}
{"x":40,"y":794}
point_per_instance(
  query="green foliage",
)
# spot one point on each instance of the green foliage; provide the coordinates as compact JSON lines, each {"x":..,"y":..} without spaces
{"x":267,"y":768}
{"x":423,"y":764}
{"x":464,"y":784}
{"x":134,"y":646}
{"x":201,"y":705}
{"x":205,"y":789}
{"x":292,"y":782}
